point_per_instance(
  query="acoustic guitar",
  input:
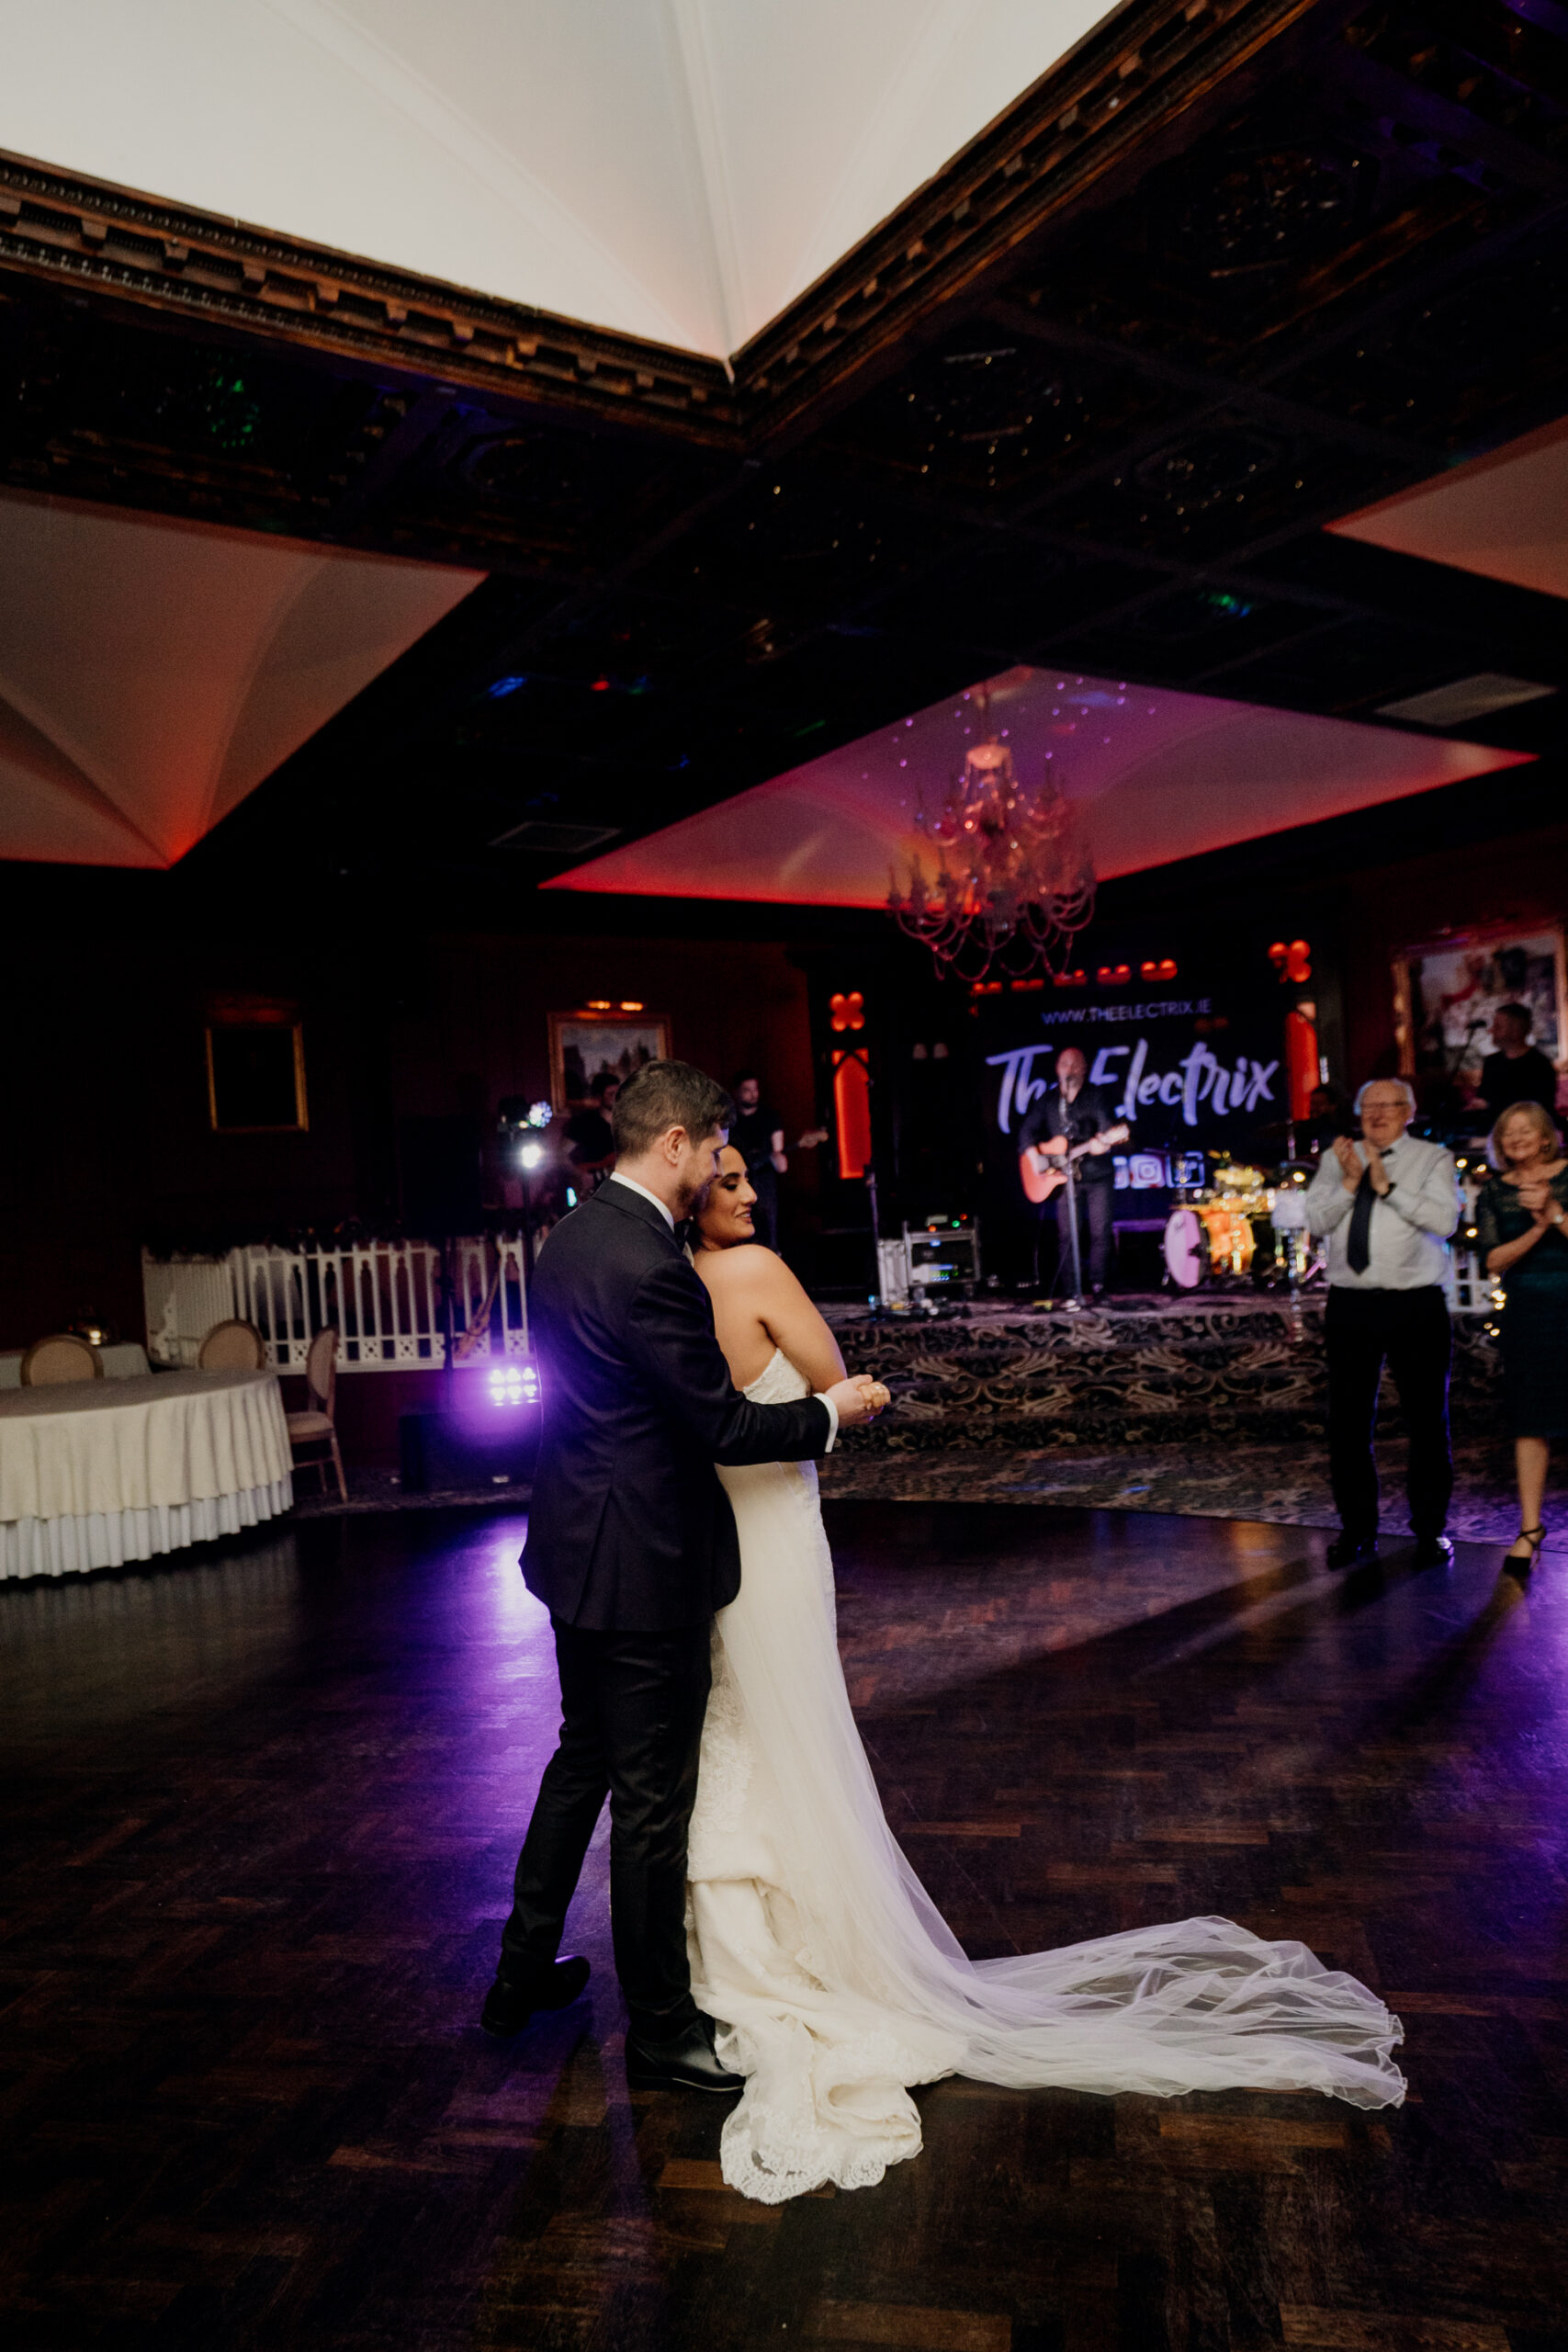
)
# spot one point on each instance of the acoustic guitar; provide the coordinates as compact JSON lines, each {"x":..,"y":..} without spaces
{"x":1043,"y":1173}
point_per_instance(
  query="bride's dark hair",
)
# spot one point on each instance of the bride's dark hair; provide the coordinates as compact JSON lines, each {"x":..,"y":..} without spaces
{"x":662,"y":1095}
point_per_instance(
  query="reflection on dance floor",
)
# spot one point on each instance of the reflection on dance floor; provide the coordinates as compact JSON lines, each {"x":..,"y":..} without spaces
{"x":267,"y":1809}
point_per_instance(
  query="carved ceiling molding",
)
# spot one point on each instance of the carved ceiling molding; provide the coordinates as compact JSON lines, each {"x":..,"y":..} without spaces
{"x":1151,"y":63}
{"x":112,"y":242}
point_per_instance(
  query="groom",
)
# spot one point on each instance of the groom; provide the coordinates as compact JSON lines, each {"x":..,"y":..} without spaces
{"x":632,"y":1547}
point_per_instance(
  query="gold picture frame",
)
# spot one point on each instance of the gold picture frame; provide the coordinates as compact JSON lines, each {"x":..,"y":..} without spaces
{"x":600,"y":1041}
{"x":1446,"y":991}
{"x":246,"y":1076}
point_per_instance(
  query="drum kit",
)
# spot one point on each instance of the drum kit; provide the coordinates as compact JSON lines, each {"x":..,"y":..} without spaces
{"x":1248,"y":1226}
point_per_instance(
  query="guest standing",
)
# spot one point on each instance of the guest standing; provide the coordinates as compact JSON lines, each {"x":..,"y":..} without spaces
{"x":757,"y":1133}
{"x":1518,"y":1071}
{"x":1520,"y":1239}
{"x":1387,"y":1205}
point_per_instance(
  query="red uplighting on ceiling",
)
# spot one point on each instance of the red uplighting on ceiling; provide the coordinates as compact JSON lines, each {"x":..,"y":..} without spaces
{"x":1159,"y":776}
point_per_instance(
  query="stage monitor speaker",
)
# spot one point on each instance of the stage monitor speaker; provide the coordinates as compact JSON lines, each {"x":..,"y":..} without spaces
{"x":439,"y":1165}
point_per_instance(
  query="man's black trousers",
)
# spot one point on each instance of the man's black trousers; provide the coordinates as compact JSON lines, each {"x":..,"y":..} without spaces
{"x":1096,"y":1203}
{"x":1410,"y":1329}
{"x":632,"y":1708}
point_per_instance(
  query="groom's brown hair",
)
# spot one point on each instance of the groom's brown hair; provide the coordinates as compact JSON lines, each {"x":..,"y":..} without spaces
{"x":662,"y":1095}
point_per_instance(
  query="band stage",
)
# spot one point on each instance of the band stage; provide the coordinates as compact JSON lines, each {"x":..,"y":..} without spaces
{"x":1148,"y":1371}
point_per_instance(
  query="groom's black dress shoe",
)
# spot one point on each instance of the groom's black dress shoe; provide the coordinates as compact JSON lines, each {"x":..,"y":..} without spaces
{"x":512,"y":2001}
{"x":1351,"y":1551}
{"x":1434,"y":1552}
{"x":685,"y":2063}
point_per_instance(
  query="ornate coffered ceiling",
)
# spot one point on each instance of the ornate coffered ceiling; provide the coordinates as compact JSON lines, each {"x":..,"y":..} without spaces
{"x":1232,"y":271}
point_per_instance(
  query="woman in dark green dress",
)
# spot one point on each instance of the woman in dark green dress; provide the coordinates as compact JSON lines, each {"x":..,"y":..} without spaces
{"x":1521,"y":1240}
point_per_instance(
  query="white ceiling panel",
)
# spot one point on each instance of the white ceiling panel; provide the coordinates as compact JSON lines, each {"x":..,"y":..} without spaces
{"x":152,"y":672}
{"x":674,"y":169}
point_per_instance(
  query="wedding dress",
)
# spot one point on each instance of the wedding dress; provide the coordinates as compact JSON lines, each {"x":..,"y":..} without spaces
{"x":835,"y":1982}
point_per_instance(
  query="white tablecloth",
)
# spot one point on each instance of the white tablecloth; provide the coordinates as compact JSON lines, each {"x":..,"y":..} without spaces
{"x":93,"y":1474}
{"x":124,"y":1361}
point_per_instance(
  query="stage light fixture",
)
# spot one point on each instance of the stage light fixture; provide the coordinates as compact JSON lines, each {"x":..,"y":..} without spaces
{"x":514,"y":1383}
{"x":846,"y":1012}
{"x":531,"y":1154}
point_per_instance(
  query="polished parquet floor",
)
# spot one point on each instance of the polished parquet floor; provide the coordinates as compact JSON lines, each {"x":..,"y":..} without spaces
{"x":264,"y":1805}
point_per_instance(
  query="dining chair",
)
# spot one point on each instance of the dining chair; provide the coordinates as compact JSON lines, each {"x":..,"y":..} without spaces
{"x":61,"y":1357}
{"x":233,"y":1345}
{"x":315,"y":1426}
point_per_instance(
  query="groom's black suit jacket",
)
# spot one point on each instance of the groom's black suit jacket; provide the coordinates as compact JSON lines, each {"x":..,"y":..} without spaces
{"x":629,"y":1530}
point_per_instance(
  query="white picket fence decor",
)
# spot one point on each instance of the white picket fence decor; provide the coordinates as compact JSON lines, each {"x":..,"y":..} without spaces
{"x":384,"y":1297}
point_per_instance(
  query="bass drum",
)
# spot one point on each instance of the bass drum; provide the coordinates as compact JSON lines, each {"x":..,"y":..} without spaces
{"x":1186,"y":1249}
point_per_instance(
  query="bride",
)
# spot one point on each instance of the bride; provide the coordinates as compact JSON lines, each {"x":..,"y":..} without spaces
{"x":835,"y":1981}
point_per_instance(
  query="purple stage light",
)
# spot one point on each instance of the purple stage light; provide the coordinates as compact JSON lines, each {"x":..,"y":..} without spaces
{"x":514,"y":1383}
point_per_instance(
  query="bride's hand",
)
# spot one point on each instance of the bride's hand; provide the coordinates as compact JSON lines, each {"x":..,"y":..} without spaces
{"x":858,"y":1400}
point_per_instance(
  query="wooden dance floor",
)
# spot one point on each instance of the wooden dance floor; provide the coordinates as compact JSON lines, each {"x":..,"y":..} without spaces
{"x":266,"y":1805}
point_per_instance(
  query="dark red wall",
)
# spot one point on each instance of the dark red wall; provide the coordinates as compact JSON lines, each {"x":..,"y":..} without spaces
{"x":108,"y":1142}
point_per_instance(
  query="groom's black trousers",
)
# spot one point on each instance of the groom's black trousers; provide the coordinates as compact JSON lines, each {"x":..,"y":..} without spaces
{"x":632,"y":1708}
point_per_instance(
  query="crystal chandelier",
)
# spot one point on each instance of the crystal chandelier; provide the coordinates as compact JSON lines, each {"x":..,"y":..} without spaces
{"x":1013,"y":880}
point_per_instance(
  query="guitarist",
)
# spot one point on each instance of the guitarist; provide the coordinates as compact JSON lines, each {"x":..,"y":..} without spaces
{"x":1072,"y":1113}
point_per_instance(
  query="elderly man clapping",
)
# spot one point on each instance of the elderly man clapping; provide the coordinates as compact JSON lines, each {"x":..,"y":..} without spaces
{"x":1387,"y":1205}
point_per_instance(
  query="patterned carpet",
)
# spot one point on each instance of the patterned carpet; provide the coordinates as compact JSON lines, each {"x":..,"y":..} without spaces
{"x":1214,"y":1409}
{"x":1204,"y":1370}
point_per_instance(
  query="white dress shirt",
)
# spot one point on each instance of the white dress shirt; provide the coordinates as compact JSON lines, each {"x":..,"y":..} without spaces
{"x":633,"y":1186}
{"x":1407,"y":1247}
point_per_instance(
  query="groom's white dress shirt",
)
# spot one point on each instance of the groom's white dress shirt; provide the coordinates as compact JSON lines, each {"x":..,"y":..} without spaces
{"x":633,"y":1186}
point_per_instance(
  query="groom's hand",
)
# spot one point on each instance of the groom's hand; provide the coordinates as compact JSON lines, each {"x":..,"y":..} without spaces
{"x":858,"y":1400}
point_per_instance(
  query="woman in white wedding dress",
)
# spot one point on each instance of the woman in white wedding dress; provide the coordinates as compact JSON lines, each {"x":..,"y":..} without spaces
{"x":835,"y":1981}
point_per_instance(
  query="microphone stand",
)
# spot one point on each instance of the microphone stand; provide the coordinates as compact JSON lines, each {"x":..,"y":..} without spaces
{"x":1075,"y":1304}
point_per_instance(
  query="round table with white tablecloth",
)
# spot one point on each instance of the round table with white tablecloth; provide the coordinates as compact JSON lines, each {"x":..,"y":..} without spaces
{"x":95,"y":1472}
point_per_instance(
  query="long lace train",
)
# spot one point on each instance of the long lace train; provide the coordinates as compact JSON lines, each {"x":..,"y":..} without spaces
{"x":835,"y":1978}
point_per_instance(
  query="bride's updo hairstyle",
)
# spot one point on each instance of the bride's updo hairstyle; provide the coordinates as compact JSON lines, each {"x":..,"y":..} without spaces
{"x":662,"y":1095}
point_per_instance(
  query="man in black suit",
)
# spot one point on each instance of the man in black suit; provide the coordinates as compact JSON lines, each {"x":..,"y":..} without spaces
{"x":632,"y":1547}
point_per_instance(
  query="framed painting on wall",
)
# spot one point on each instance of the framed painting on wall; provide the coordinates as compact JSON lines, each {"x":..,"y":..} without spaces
{"x":1446,"y":996}
{"x":255,"y":1069}
{"x":589,"y":1049}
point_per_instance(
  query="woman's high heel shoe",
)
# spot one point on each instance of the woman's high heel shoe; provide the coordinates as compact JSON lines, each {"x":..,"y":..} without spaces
{"x":1534,"y":1537}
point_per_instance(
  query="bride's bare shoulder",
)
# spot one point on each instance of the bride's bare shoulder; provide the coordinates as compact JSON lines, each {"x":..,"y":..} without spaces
{"x":749,"y":1268}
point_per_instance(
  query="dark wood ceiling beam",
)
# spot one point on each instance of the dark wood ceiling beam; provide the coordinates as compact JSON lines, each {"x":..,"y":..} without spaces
{"x":1389,"y":96}
{"x":1547,"y":14}
{"x":1215,"y":392}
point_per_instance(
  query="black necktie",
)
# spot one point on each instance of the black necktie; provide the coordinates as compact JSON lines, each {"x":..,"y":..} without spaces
{"x":1359,"y":1248}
